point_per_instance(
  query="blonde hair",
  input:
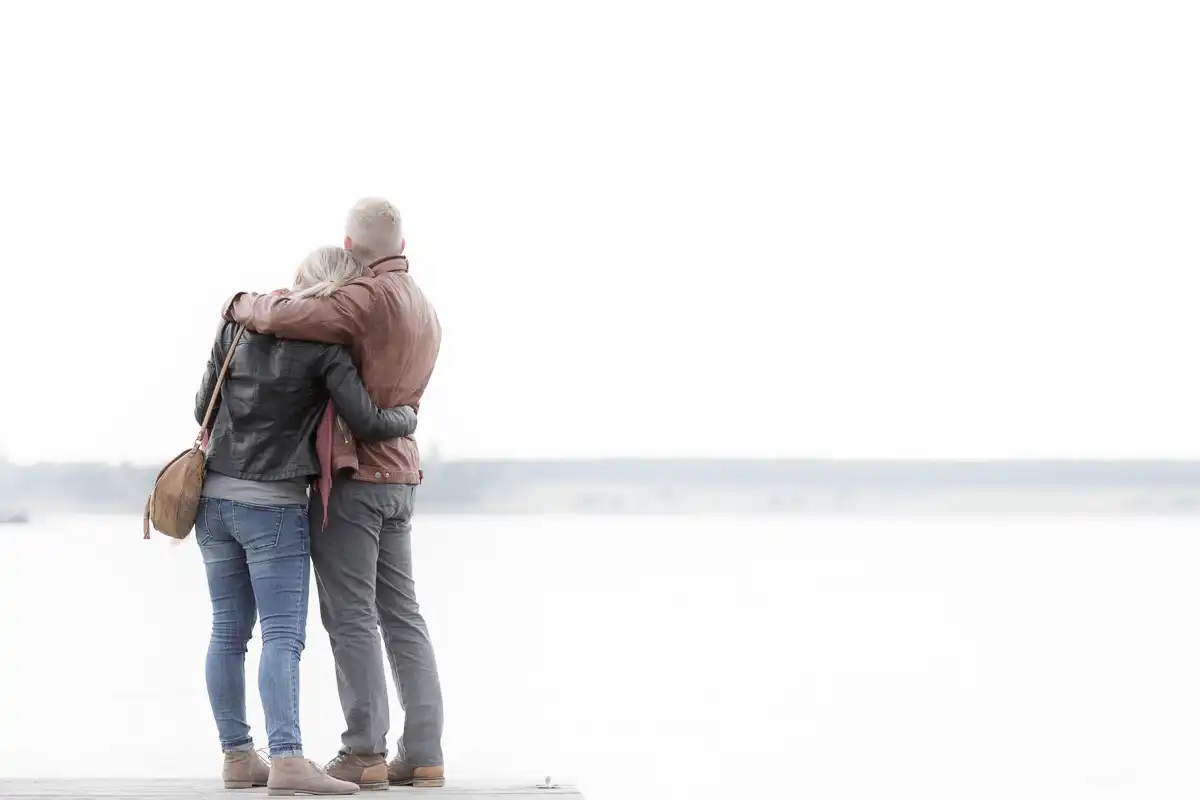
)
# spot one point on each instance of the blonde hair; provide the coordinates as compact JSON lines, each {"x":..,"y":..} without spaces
{"x":324,"y":271}
{"x":374,"y":229}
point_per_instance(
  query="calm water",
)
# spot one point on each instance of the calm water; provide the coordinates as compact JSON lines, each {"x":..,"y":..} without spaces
{"x":672,"y":657}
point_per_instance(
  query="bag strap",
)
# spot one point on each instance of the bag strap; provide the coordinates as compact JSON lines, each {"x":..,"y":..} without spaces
{"x":216,"y":392}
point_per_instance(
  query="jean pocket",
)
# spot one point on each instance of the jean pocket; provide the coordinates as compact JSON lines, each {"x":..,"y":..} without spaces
{"x":204,"y":531}
{"x":257,"y":527}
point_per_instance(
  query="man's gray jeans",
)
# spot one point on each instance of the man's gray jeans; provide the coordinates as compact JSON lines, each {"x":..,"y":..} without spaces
{"x":363,"y":561}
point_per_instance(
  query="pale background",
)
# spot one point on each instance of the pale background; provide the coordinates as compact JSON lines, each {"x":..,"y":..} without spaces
{"x":937,"y":229}
{"x":762,"y":229}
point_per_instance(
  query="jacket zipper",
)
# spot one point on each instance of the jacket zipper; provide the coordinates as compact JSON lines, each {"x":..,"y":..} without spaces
{"x":341,"y":427}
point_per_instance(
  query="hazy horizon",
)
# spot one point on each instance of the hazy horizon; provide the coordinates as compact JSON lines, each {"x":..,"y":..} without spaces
{"x":651,"y":458}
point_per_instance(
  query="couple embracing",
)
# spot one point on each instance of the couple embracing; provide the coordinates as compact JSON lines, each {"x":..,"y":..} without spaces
{"x":310,"y":460}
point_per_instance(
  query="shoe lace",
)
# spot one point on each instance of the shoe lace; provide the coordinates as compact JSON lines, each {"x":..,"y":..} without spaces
{"x":337,"y":761}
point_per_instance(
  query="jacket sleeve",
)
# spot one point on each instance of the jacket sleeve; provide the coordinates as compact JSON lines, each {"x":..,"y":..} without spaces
{"x":366,"y":420}
{"x":215,"y":359}
{"x":337,"y":319}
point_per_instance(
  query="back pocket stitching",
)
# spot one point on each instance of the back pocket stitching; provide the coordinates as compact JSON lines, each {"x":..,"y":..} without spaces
{"x":279,"y":515}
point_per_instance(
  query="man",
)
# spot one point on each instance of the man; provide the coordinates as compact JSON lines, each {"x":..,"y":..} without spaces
{"x":361,"y":553}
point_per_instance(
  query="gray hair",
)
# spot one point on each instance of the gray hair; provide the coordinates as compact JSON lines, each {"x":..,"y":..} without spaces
{"x":374,"y":229}
{"x":324,"y":271}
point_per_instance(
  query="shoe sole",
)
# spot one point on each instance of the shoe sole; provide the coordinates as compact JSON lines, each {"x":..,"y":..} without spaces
{"x":306,"y":793}
{"x":242,"y":784}
{"x":428,"y":783}
{"x":378,"y":786}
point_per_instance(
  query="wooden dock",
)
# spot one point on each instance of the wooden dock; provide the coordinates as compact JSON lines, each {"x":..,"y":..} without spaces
{"x":137,"y":789}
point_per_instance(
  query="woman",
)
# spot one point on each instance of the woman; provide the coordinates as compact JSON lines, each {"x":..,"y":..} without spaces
{"x":252,"y":524}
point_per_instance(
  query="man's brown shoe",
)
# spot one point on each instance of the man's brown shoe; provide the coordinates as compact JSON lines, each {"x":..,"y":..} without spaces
{"x":401,"y":774}
{"x":369,"y":772}
{"x":243,"y":769}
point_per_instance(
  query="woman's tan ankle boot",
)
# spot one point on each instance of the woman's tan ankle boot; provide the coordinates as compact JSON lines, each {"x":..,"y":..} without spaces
{"x":297,"y":775}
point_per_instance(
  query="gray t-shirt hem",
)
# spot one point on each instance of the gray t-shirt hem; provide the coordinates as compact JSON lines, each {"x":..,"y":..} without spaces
{"x":293,"y":491}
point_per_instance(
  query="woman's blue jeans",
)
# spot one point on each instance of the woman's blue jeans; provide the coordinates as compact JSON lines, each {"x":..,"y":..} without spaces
{"x":257,"y":560}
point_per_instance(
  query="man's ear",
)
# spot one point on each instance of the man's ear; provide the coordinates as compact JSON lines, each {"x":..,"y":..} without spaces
{"x":347,"y":244}
{"x":402,"y":243}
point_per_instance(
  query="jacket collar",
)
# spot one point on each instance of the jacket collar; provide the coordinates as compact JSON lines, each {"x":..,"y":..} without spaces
{"x":388,"y":264}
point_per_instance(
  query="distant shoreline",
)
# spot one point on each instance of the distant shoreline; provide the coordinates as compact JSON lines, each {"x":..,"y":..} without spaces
{"x":719,"y":486}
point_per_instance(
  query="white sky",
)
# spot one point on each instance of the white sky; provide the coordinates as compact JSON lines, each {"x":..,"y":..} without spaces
{"x":817,"y":229}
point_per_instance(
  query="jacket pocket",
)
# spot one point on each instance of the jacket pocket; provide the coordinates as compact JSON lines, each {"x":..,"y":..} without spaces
{"x":257,"y":527}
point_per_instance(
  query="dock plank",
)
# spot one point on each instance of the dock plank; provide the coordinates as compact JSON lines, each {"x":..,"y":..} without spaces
{"x":140,"y":789}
